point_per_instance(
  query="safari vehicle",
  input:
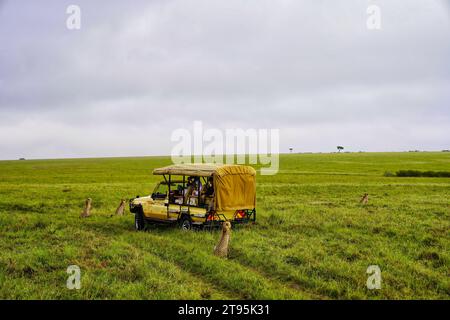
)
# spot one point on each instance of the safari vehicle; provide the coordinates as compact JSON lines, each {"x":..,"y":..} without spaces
{"x":199,"y":195}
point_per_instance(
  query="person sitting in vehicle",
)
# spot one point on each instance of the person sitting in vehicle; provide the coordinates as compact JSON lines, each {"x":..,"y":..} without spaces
{"x":209,"y":188}
{"x":178,"y":195}
{"x":198,"y":186}
{"x":207,"y":192}
{"x":189,"y":189}
{"x":196,"y":192}
{"x":193,"y":199}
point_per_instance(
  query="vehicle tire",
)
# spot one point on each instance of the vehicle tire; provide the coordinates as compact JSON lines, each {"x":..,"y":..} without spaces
{"x":139,"y":222}
{"x":186,"y":223}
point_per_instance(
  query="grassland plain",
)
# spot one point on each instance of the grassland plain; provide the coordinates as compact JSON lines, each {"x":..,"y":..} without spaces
{"x":312,"y":240}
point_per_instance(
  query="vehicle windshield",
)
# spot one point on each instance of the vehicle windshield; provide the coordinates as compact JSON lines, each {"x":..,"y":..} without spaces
{"x":162,"y":189}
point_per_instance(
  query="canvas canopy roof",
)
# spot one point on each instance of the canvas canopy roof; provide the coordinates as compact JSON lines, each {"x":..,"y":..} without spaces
{"x":195,"y":170}
{"x":203,"y":170}
{"x":234,"y":185}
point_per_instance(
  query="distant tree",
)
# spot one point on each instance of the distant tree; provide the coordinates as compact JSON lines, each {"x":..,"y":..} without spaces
{"x":340,"y":148}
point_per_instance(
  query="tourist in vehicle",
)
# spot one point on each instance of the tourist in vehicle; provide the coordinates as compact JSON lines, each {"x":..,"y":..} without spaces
{"x":209,"y":188}
{"x":189,"y":189}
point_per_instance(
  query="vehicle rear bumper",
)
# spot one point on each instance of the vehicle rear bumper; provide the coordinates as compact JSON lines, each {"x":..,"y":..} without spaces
{"x":219,"y":219}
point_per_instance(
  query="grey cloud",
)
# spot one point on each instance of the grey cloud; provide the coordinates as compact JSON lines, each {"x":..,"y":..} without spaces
{"x":150,"y":67}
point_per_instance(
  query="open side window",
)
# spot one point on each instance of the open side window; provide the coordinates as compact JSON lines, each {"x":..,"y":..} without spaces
{"x":188,"y":191}
{"x":198,"y":192}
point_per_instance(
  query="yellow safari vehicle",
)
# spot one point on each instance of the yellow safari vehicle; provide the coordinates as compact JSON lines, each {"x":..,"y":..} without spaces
{"x":199,"y":195}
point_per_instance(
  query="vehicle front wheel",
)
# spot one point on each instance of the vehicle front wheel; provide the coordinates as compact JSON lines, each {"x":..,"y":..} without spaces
{"x":186,"y":223}
{"x":139,"y":222}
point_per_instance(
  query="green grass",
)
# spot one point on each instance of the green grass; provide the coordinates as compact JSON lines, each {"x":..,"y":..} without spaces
{"x":313,"y":240}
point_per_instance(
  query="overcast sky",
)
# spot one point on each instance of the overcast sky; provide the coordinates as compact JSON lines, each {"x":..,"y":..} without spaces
{"x":137,"y":70}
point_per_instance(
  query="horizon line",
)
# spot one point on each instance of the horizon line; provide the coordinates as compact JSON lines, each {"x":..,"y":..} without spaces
{"x":169,"y":156}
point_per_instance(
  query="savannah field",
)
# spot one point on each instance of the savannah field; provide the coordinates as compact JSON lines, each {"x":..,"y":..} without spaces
{"x":312,"y":240}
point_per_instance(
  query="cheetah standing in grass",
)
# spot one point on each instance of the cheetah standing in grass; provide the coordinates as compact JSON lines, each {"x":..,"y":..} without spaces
{"x":221,"y":250}
{"x":121,"y":208}
{"x":87,"y":208}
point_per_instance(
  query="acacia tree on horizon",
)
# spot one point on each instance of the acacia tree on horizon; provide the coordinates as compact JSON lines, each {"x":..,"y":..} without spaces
{"x":340,"y":148}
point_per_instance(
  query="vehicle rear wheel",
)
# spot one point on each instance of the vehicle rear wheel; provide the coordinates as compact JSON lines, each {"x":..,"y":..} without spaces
{"x":139,"y":222}
{"x":186,"y":223}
